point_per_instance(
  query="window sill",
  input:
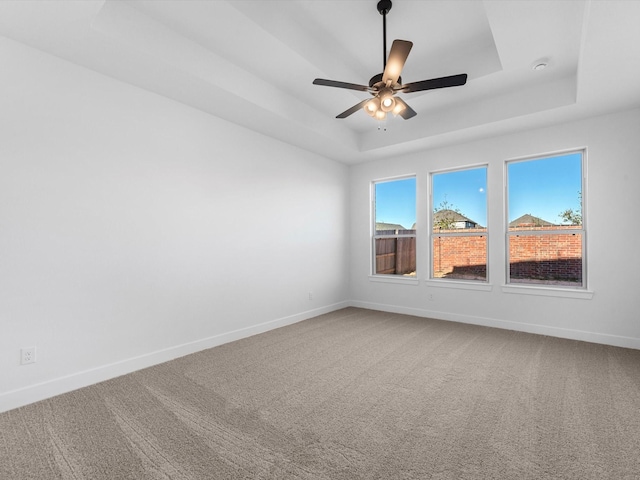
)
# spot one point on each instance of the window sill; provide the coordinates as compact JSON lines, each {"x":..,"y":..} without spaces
{"x":548,"y":291}
{"x":460,"y":284}
{"x":399,"y":279}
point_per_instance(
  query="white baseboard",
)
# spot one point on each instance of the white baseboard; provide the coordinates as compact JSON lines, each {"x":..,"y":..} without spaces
{"x":51,"y":388}
{"x":602,"y":338}
{"x":33,"y":393}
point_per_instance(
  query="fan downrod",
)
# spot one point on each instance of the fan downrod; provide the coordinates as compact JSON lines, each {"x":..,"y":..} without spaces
{"x":383,"y":8}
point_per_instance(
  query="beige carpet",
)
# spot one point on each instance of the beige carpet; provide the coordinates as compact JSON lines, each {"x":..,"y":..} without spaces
{"x":353,"y":394}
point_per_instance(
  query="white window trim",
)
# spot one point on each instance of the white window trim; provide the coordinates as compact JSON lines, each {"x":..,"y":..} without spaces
{"x":459,"y":284}
{"x":548,"y":290}
{"x":449,"y":282}
{"x":399,"y":279}
{"x":382,"y":277}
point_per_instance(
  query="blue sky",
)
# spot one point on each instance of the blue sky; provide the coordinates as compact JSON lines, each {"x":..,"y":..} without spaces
{"x":465,"y":190}
{"x":396,"y":202}
{"x":543,"y":188}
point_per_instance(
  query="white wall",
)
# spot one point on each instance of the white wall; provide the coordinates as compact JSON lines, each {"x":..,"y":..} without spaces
{"x":613,"y":199}
{"x":135,"y":229}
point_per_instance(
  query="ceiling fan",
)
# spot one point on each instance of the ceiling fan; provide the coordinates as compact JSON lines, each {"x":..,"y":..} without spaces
{"x":384,"y":86}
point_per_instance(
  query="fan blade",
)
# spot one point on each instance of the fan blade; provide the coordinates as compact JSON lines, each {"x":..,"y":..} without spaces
{"x":353,"y":109}
{"x":397,"y":56}
{"x":333,"y":83}
{"x":442,"y":82}
{"x":407,"y":112}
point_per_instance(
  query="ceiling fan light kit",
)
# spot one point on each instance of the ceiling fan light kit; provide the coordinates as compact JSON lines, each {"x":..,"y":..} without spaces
{"x":384,"y":86}
{"x":372,"y":106}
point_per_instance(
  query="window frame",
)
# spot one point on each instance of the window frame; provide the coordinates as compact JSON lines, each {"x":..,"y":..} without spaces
{"x":387,"y":277}
{"x":549,"y":289}
{"x":477,"y":284}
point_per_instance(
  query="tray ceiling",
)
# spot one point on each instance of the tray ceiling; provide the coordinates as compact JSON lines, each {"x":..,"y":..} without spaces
{"x":252,"y":62}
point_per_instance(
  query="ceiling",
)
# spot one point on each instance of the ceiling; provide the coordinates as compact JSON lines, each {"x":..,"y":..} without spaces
{"x":253,"y":62}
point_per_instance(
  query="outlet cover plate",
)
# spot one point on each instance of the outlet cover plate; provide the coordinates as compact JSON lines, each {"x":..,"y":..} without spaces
{"x":27,"y":355}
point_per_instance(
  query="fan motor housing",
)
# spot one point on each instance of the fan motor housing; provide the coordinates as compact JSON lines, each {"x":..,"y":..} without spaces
{"x":377,"y":79}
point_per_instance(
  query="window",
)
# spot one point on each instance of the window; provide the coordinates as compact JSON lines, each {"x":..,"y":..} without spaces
{"x":394,"y":227}
{"x":546,"y":230}
{"x":458,"y":224}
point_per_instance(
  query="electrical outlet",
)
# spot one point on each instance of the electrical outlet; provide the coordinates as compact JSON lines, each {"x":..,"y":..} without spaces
{"x":431,"y":297}
{"x":310,"y":296}
{"x":27,"y":355}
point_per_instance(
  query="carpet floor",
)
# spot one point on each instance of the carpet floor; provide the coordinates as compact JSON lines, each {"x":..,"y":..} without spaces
{"x":354,"y":394}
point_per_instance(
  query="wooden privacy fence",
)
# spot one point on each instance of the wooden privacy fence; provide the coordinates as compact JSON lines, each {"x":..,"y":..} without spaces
{"x":396,"y":255}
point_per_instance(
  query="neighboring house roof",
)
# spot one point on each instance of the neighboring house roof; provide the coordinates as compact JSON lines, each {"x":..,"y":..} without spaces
{"x":389,"y":226}
{"x":451,"y":216}
{"x":527,"y":220}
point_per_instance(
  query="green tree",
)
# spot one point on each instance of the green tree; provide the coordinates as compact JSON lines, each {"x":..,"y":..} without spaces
{"x":444,"y":215}
{"x":571,"y":216}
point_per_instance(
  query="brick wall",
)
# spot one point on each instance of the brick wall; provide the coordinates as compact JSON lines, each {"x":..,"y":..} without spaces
{"x":460,"y":257}
{"x":553,"y":256}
